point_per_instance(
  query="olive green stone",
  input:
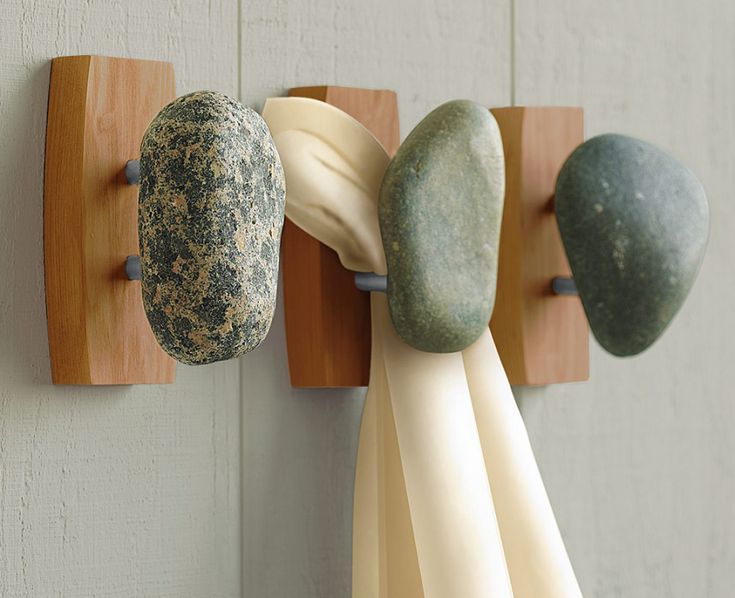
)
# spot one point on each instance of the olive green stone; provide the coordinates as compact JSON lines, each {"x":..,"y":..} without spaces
{"x":210,"y":212}
{"x":440,"y":208}
{"x":634,"y":222}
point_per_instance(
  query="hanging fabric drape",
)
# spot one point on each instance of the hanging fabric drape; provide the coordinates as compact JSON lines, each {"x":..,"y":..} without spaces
{"x":448,"y":498}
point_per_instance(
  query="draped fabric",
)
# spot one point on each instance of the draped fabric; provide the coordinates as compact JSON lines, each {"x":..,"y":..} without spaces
{"x":448,"y":500}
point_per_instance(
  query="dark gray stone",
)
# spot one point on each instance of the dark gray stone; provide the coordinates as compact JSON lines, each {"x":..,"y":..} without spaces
{"x":441,"y":204}
{"x":634,"y":222}
{"x":211,"y":209}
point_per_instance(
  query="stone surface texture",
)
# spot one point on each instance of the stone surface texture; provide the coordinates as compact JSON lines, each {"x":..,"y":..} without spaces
{"x":211,"y":209}
{"x":634,"y":222}
{"x":441,"y":205}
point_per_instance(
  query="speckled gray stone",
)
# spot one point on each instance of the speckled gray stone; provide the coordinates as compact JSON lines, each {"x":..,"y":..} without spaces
{"x":634,"y":222}
{"x":211,"y":209}
{"x":441,"y":204}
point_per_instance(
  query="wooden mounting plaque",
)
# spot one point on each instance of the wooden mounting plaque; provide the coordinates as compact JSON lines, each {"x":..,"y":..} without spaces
{"x":99,"y":108}
{"x":542,"y":338}
{"x":327,"y":318}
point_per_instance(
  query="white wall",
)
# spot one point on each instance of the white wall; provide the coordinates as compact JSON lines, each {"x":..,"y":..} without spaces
{"x":135,"y":491}
{"x":118,"y":491}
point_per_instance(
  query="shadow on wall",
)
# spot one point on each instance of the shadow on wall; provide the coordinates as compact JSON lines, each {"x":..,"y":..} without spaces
{"x":21,"y":231}
{"x":298,"y":458}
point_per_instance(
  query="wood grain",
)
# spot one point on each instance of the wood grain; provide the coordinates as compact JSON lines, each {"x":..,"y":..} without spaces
{"x":327,"y":318}
{"x":542,"y":338}
{"x":99,"y":108}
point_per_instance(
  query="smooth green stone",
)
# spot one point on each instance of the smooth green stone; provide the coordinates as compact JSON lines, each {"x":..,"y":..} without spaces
{"x":210,"y":213}
{"x":634,"y":222}
{"x":440,"y":208}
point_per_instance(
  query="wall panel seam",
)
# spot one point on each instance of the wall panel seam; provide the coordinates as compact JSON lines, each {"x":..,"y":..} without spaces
{"x":512,"y":41}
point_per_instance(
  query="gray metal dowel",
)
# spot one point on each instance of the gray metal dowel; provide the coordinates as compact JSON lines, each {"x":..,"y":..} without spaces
{"x":132,"y":172}
{"x":371,"y":282}
{"x":133,"y":269}
{"x":562,"y":285}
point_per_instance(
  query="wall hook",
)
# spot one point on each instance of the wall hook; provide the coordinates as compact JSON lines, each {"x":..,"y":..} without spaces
{"x":211,"y":209}
{"x":635,"y":223}
{"x":540,"y":329}
{"x":209,"y":224}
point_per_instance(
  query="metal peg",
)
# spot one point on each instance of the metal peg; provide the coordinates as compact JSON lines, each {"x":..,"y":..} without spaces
{"x":132,"y":172}
{"x":133,"y":269}
{"x":563,"y":285}
{"x":371,"y":282}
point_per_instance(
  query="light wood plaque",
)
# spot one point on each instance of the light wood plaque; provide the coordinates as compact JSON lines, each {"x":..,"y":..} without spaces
{"x":99,"y":108}
{"x":327,"y":318}
{"x":542,"y":338}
